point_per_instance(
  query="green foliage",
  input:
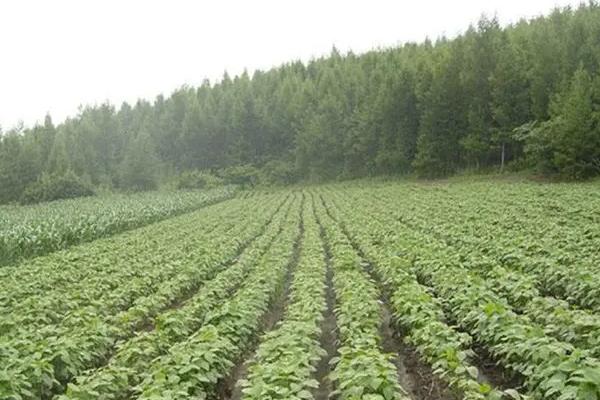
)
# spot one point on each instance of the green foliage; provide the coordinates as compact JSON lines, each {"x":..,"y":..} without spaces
{"x":362,"y":369}
{"x":151,"y":269}
{"x":139,"y":168}
{"x":444,"y":118}
{"x":243,"y":175}
{"x":286,"y":359}
{"x":194,"y":367}
{"x":448,"y":258}
{"x":418,"y":314}
{"x":18,"y":168}
{"x":197,"y":180}
{"x":55,"y":187}
{"x":278,"y":172}
{"x":43,"y":228}
{"x":428,"y":108}
{"x":130,"y":362}
{"x":170,"y":309}
{"x":569,"y":143}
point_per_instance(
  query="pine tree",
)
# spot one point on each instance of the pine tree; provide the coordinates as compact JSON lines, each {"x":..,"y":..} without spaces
{"x":140,"y":166}
{"x":575,"y":127}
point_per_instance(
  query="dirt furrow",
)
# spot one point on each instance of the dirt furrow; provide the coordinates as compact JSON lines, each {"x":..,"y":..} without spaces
{"x":415,"y":376}
{"x":228,"y":389}
{"x":328,"y":336}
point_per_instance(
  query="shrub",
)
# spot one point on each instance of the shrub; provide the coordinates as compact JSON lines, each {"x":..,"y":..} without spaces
{"x":197,"y":180}
{"x":55,"y":187}
{"x":245,"y":175}
{"x":277,"y":172}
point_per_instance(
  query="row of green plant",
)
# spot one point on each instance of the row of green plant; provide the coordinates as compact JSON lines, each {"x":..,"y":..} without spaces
{"x":558,"y":318}
{"x":516,"y":231}
{"x":123,"y":372}
{"x":522,"y":290}
{"x":362,"y":370}
{"x":40,"y":229}
{"x":555,"y":222}
{"x":42,"y":291}
{"x":553,"y":369}
{"x":560,"y":276}
{"x":579,"y":286}
{"x":194,"y":368}
{"x":285,"y":363}
{"x":46,"y":297}
{"x":39,"y":362}
{"x":417,"y":314}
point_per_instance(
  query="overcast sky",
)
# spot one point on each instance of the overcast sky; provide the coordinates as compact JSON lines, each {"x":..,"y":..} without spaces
{"x":56,"y":55}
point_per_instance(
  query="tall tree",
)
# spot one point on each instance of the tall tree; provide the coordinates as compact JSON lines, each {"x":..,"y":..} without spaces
{"x":569,"y":142}
{"x":444,"y":117}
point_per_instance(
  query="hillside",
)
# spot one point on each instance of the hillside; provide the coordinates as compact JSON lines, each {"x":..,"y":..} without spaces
{"x":524,"y":95}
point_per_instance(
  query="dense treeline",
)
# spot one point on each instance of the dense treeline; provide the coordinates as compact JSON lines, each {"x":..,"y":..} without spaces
{"x":527,"y":95}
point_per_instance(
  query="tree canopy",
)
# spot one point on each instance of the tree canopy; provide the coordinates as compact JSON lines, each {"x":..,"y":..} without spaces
{"x":526,"y":94}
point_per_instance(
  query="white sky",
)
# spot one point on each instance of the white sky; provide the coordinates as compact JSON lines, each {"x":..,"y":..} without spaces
{"x":56,"y":55}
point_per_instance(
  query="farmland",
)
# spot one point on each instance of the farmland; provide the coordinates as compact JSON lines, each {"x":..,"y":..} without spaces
{"x":36,"y":230}
{"x":364,"y":290}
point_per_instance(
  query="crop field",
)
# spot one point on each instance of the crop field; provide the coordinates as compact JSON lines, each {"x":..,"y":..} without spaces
{"x":364,"y":290}
{"x":35,"y":230}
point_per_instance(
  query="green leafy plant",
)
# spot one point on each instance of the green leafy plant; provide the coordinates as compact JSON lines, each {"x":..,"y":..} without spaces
{"x":41,"y":229}
{"x":285,"y":362}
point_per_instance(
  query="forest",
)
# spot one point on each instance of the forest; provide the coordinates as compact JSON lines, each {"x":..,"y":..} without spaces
{"x":524,"y":96}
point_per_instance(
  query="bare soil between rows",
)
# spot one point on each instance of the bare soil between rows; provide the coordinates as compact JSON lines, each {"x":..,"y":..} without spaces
{"x":228,"y":388}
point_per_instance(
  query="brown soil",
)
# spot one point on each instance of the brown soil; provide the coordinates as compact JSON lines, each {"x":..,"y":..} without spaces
{"x":495,"y":374}
{"x":227,"y":388}
{"x":415,"y":376}
{"x":328,"y":341}
{"x":427,"y":386}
